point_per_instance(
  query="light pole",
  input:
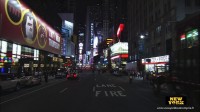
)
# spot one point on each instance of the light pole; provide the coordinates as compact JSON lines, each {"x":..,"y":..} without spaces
{"x":141,"y":50}
{"x":141,"y":36}
{"x":141,"y":46}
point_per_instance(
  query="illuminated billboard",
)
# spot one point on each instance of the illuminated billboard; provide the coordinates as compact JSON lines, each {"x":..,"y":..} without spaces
{"x":95,"y":42}
{"x":69,"y":26}
{"x":119,"y":48}
{"x":21,"y":25}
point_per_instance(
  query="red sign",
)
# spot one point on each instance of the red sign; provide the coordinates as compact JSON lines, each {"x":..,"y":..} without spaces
{"x":120,"y":29}
{"x":21,"y":25}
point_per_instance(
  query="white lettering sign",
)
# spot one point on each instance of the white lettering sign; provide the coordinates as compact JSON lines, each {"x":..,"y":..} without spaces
{"x":97,"y":93}
{"x":57,"y":38}
{"x":54,"y":36}
{"x":106,"y":85}
{"x":164,"y":58}
{"x":54,"y":44}
{"x":109,"y":93}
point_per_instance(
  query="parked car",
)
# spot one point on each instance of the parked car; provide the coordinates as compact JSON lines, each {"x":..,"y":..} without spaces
{"x":60,"y":74}
{"x":32,"y":80}
{"x":72,"y":74}
{"x":9,"y":82}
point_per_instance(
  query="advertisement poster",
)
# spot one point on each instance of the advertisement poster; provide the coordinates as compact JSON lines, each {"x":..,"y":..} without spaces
{"x":21,"y":25}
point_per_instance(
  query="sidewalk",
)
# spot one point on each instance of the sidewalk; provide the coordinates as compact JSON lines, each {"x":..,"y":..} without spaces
{"x":50,"y":78}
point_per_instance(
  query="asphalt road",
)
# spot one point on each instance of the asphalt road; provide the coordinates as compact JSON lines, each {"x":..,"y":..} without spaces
{"x":92,"y":93}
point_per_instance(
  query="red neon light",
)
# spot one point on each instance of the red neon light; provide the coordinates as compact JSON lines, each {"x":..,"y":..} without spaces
{"x":115,"y":57}
{"x":183,"y":37}
{"x":120,"y":29}
{"x":120,"y":56}
{"x":124,"y":55}
{"x":75,"y":75}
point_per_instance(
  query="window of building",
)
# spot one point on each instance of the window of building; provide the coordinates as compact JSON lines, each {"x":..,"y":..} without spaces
{"x":36,"y":54}
{"x":192,"y":38}
{"x":165,"y":8}
{"x":158,"y":31}
{"x":4,"y":46}
{"x":27,"y":52}
{"x":169,"y":4}
{"x":197,"y":2}
{"x":158,"y":46}
{"x":153,"y":50}
{"x":187,"y":3}
{"x":9,"y":47}
{"x":166,"y":28}
{"x":0,"y":45}
{"x":14,"y":50}
{"x":168,"y":46}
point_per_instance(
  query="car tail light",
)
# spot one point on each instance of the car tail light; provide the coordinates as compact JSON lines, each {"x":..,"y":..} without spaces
{"x":75,"y":75}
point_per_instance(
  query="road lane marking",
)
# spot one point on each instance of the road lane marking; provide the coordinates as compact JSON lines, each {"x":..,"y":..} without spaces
{"x":63,"y":90}
{"x":113,"y":93}
{"x":120,"y":92}
{"x":110,"y":93}
{"x":28,"y":93}
{"x":105,"y":85}
{"x":106,"y":93}
{"x":97,"y":93}
{"x":121,"y":88}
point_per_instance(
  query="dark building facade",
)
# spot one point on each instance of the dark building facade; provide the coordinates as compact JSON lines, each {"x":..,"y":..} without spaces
{"x":152,"y":25}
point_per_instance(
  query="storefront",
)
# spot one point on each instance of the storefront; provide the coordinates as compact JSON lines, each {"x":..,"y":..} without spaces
{"x":156,"y":64}
{"x":27,"y":44}
{"x":190,"y":38}
{"x":119,"y":55}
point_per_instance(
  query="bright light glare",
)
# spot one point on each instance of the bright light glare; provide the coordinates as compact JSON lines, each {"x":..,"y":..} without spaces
{"x":141,"y":36}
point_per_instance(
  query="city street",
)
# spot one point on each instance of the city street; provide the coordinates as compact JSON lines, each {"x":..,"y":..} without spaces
{"x":145,"y":53}
{"x":92,"y":93}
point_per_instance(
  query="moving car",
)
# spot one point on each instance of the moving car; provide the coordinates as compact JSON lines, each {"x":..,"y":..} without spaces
{"x":72,"y":74}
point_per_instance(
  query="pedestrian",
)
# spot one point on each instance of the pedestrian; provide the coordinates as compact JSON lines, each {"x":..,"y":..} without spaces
{"x":45,"y":76}
{"x":134,"y":74}
{"x":130,"y":78}
{"x":99,"y":71}
{"x":93,"y":70}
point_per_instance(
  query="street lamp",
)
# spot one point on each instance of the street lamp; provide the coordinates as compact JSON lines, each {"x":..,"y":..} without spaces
{"x":141,"y":36}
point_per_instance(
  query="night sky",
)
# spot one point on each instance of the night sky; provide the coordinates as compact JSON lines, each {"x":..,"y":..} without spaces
{"x":50,"y":8}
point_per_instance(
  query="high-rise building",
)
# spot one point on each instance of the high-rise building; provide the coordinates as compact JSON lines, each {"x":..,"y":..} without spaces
{"x":114,"y":13}
{"x":106,"y":12}
{"x":93,"y":29}
{"x":67,"y":29}
{"x":155,"y":20}
{"x":103,"y":20}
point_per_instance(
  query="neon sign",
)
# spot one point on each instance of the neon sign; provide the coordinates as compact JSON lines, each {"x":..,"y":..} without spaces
{"x":159,"y":59}
{"x":119,"y":48}
{"x":120,"y":29}
{"x":6,"y":59}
